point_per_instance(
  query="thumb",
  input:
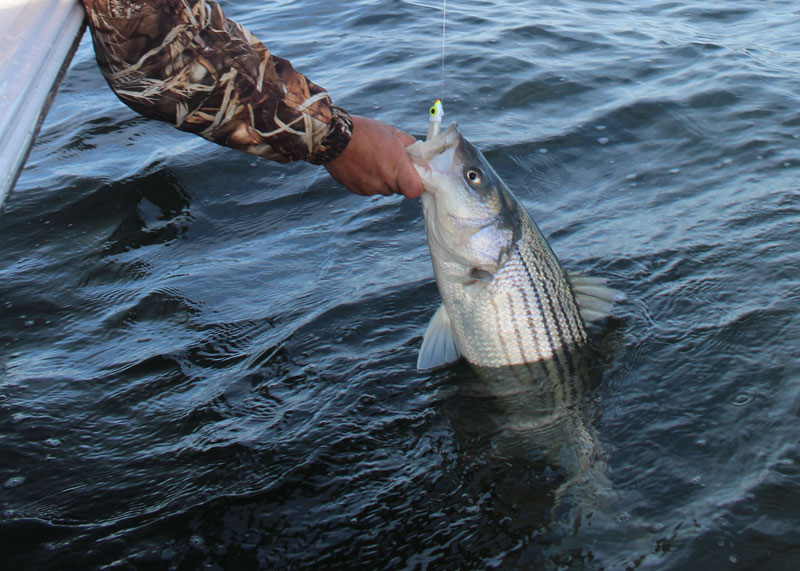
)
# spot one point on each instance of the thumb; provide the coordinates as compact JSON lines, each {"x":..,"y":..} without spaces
{"x":408,"y":181}
{"x":404,"y":137}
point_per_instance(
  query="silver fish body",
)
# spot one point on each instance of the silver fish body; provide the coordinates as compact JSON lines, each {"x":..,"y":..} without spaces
{"x":506,"y":299}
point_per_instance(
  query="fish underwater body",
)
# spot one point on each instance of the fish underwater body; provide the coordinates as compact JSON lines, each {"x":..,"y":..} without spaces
{"x":510,"y":309}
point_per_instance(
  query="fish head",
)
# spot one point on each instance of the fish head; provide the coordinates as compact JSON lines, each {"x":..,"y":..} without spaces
{"x":471,"y":218}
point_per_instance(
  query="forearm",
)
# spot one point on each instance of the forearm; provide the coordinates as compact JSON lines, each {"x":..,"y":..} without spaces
{"x":185,"y":63}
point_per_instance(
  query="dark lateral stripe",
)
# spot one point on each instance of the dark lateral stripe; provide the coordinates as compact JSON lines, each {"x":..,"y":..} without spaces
{"x":541,"y":354}
{"x":561,"y":368}
{"x":552,"y":306}
{"x":569,"y":375}
{"x":532,"y":325}
{"x":515,"y":326}
{"x":564,"y":310}
{"x":549,"y":370}
{"x":538,"y":300}
{"x":520,"y":340}
{"x":562,"y":360}
{"x":503,"y":342}
{"x":550,"y":267}
{"x":547,"y":305}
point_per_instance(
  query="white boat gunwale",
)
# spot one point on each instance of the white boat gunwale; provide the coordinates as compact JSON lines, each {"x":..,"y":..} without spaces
{"x":39,"y":38}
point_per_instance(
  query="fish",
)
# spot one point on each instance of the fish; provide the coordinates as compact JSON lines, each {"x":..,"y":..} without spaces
{"x":512,"y":311}
{"x":506,"y":299}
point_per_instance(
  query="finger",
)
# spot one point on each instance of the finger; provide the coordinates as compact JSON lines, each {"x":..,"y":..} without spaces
{"x":409,"y":182}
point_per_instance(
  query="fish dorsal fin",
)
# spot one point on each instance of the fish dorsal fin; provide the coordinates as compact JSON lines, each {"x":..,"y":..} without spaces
{"x":439,"y":345}
{"x":595,"y":299}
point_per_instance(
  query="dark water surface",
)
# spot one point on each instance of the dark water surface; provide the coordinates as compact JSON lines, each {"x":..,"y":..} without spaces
{"x":208,"y":360}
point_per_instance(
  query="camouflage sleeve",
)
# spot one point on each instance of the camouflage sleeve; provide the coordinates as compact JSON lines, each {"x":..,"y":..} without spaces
{"x":184,"y":62}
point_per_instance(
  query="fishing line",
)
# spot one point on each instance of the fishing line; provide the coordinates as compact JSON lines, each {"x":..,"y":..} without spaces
{"x":444,"y":34}
{"x":436,"y":111}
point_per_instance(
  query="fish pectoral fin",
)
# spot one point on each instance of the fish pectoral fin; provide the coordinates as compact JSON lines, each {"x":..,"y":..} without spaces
{"x":439,"y":345}
{"x":595,"y":299}
{"x":474,"y":276}
{"x":478,"y":274}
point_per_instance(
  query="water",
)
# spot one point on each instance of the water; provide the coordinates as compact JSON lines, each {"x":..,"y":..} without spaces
{"x":208,"y":360}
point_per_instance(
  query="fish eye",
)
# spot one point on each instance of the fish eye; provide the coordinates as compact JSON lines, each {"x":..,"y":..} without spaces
{"x":474,"y":176}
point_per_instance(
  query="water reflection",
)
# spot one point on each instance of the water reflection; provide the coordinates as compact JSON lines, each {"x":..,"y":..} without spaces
{"x":539,"y":419}
{"x":154,"y":210}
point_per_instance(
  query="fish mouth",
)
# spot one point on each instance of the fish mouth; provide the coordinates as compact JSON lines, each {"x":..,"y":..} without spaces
{"x":435,"y":157}
{"x":422,"y":152}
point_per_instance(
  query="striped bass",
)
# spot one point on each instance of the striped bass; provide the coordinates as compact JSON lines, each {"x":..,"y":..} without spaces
{"x":506,"y":300}
{"x":510,"y":309}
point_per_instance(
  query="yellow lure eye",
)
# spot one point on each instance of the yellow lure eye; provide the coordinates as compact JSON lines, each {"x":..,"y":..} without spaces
{"x":433,"y":110}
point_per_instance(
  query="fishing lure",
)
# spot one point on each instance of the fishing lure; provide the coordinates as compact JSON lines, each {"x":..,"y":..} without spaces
{"x":435,"y":123}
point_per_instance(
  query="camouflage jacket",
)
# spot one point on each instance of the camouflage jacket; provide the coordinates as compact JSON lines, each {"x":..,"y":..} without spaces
{"x":184,"y":62}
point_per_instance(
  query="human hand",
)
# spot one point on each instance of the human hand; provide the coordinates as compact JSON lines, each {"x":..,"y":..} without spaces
{"x":375,"y":161}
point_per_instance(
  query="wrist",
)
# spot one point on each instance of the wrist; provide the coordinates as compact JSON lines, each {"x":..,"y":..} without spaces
{"x":337,"y":139}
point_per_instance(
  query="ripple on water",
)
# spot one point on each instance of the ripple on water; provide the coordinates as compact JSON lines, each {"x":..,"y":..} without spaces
{"x":14,"y":482}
